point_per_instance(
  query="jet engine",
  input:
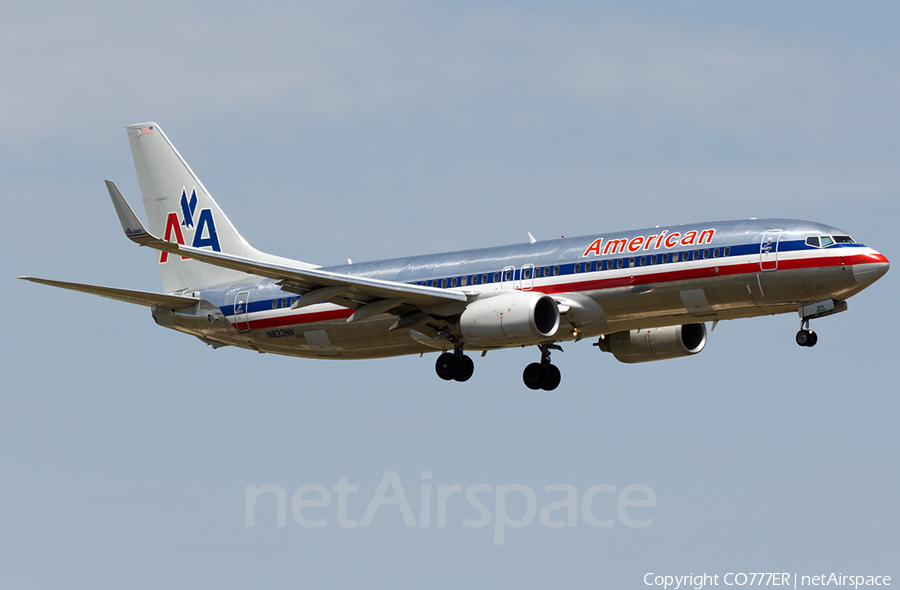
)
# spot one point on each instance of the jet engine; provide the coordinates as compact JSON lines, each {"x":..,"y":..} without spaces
{"x":508,"y":319}
{"x":655,"y":344}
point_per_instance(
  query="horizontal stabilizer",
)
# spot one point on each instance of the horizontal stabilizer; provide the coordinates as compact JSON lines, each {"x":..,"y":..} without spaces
{"x":128,"y":295}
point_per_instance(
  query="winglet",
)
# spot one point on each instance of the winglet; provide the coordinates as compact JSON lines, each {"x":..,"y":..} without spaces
{"x":131,"y":225}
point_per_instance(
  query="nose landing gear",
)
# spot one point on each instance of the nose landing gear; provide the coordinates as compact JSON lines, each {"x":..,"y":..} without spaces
{"x":806,"y":337}
{"x":543,"y":375}
{"x":820,"y":309}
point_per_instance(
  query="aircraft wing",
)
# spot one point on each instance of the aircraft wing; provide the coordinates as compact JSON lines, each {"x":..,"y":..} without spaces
{"x":316,"y":285}
{"x":128,"y":295}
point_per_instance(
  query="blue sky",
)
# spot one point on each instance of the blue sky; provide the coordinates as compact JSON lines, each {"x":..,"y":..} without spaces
{"x":373,"y":130}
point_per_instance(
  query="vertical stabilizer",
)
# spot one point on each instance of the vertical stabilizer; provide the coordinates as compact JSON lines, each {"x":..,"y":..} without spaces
{"x":180,"y":209}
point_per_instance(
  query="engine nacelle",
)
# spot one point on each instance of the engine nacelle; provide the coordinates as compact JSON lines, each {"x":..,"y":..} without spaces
{"x":511,"y":318}
{"x":655,"y":344}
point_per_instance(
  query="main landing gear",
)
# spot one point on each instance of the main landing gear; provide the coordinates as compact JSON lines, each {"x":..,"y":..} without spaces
{"x":806,"y":337}
{"x":454,"y":366}
{"x":543,"y":375}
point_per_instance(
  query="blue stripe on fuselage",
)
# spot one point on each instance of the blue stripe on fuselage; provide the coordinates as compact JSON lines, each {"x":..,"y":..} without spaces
{"x":567,"y":269}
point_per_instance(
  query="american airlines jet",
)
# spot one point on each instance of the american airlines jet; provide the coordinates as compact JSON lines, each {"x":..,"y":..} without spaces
{"x":644,"y":295}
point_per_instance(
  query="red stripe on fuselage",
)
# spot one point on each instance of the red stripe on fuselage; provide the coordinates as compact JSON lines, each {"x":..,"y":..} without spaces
{"x":641,"y":277}
{"x":300,"y":318}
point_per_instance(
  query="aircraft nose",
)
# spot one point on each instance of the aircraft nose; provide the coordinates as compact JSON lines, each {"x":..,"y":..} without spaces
{"x":869,"y":272}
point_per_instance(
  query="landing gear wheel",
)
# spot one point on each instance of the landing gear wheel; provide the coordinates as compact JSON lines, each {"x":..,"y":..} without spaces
{"x":447,"y":366}
{"x":807,"y":338}
{"x":553,"y":378}
{"x":466,"y":368}
{"x":534,"y":376}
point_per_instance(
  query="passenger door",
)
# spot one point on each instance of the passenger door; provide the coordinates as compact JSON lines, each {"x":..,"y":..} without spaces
{"x":768,"y":250}
{"x":526,"y":283}
{"x":241,"y":301}
{"x":508,"y":278}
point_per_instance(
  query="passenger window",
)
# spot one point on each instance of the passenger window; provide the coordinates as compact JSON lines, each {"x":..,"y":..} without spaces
{"x":274,"y":304}
{"x":526,"y":273}
{"x":643,"y":260}
{"x":631,"y":263}
{"x":453,"y":282}
{"x":284,"y":303}
{"x":463,"y":281}
{"x":620,"y":263}
{"x":443,"y":283}
{"x":496,"y":277}
{"x":507,"y":276}
{"x":653,"y":259}
{"x":696,"y":254}
{"x":555,"y":270}
{"x":665,"y":258}
{"x":546,"y":271}
{"x":577,"y":268}
{"x":435,"y":283}
{"x":716,"y":253}
{"x":727,"y":251}
{"x":706,"y":253}
{"x":484,"y":279}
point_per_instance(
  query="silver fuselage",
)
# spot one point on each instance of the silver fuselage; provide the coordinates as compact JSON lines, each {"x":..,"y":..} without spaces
{"x":633,"y":280}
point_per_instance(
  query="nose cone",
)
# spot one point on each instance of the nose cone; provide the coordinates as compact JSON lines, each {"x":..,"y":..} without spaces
{"x":869,"y":272}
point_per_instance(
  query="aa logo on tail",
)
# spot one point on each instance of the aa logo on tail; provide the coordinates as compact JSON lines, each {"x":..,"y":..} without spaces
{"x":204,"y":233}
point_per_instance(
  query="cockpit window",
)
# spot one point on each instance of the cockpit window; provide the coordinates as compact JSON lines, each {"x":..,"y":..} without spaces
{"x":825,"y":241}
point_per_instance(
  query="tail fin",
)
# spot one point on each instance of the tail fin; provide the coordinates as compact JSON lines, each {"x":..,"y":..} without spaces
{"x":180,"y":209}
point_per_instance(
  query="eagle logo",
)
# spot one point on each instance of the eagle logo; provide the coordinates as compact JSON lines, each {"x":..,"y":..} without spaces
{"x":188,"y":208}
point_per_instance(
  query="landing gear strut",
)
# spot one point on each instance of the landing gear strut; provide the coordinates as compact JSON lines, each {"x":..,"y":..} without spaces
{"x":454,"y":366}
{"x":543,"y":375}
{"x":806,"y":337}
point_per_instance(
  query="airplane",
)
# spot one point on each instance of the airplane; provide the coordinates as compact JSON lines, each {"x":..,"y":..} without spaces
{"x":645,"y":295}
